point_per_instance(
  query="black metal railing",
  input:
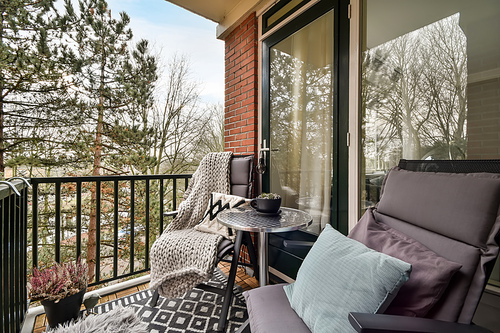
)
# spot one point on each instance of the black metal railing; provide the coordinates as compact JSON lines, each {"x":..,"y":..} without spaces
{"x":13,"y":237}
{"x":128,"y":213}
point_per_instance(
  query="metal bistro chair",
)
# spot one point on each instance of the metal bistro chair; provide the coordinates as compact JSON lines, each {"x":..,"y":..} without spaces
{"x":451,"y":208}
{"x":241,"y":182}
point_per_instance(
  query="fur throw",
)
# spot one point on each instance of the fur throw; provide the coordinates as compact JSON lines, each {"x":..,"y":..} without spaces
{"x":182,"y":257}
{"x":123,"y":320}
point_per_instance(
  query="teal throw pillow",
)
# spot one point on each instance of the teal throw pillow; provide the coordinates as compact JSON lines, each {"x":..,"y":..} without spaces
{"x":341,"y":275}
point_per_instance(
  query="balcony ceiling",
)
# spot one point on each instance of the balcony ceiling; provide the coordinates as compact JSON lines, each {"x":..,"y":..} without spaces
{"x":227,"y":13}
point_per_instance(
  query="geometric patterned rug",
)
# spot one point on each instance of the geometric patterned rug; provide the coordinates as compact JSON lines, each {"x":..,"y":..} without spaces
{"x":197,"y":311}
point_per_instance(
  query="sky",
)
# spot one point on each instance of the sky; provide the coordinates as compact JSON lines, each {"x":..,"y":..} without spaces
{"x":172,"y":30}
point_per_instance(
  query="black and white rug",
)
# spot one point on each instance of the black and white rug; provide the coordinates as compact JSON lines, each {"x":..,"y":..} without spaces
{"x":196,"y":311}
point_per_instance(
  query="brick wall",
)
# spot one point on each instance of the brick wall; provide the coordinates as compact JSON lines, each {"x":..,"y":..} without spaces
{"x":483,"y":120}
{"x":241,"y":88}
{"x":240,"y":106}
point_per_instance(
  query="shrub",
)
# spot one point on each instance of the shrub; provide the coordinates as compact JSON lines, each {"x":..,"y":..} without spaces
{"x":58,"y":281}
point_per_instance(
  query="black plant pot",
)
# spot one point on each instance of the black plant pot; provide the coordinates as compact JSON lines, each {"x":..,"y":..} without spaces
{"x":269,"y":206}
{"x":66,"y":309}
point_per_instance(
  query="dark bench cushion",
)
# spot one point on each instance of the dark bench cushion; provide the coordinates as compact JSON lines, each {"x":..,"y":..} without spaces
{"x":241,"y":175}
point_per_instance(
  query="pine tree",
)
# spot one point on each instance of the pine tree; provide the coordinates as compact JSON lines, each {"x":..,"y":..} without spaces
{"x":32,"y":89}
{"x":114,"y":89}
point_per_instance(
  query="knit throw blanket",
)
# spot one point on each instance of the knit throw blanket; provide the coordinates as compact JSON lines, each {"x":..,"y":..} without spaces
{"x":182,"y":257}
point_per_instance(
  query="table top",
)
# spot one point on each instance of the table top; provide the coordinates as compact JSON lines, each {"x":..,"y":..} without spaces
{"x":248,"y":219}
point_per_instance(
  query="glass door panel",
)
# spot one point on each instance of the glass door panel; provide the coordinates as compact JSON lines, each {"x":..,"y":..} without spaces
{"x":430,"y":86}
{"x":301,"y":119}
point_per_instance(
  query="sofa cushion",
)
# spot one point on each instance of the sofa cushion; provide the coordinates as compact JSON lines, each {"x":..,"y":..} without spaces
{"x":270,"y":312}
{"x":426,"y":199}
{"x":430,"y":274}
{"x":340,"y":275}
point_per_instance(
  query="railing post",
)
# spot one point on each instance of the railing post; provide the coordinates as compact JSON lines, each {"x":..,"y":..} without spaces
{"x":58,"y":222}
{"x":132,"y":223}
{"x":78,"y":219}
{"x":115,"y":228}
{"x":147,"y":225}
{"x":34,"y":224}
{"x":98,"y":231}
{"x":13,"y":252}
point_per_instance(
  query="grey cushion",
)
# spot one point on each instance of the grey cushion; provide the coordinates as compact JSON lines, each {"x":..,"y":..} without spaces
{"x":428,"y":199}
{"x":270,"y":312}
{"x":448,"y":308}
{"x":241,"y":175}
{"x":454,"y":215}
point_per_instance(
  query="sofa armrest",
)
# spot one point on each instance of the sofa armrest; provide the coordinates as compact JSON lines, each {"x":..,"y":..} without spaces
{"x":379,"y":323}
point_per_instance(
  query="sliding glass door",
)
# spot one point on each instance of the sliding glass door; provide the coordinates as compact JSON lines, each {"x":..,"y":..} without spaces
{"x":301,"y":120}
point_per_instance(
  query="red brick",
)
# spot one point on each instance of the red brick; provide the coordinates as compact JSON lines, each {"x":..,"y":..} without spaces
{"x":246,"y":61}
{"x":248,"y":101}
{"x":248,"y":142}
{"x":234,"y":119}
{"x":234,"y":106}
{"x":235,"y":93}
{"x":247,"y":74}
{"x":241,"y":97}
{"x":229,"y":54}
{"x":251,"y":32}
{"x":241,"y":111}
{"x":242,"y":136}
{"x":240,"y":123}
{"x":249,"y":128}
{"x":247,"y":115}
{"x":241,"y":150}
{"x":249,"y":20}
{"x":252,"y":120}
{"x":235,"y":131}
{"x":234,"y":57}
{"x":241,"y":45}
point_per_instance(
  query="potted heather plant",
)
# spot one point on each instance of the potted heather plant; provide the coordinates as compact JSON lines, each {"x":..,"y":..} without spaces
{"x":60,"y":288}
{"x":267,"y":203}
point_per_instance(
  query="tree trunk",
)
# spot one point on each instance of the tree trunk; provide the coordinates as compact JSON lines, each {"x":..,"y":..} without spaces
{"x":91,"y":245}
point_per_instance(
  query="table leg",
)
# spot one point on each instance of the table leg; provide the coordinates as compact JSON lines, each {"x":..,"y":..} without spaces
{"x":264,"y":268}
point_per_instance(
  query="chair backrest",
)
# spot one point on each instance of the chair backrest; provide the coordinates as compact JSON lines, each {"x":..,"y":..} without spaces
{"x":241,"y":175}
{"x":453,"y":208}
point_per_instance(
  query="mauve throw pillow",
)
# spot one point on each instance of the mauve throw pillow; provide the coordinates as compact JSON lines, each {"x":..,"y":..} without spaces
{"x":430,"y":275}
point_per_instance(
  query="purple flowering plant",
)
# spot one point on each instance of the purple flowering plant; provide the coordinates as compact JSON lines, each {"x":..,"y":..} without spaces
{"x":58,"y":281}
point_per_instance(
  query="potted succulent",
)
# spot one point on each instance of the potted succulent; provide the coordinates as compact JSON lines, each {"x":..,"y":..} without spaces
{"x":268,"y":203}
{"x":60,"y":288}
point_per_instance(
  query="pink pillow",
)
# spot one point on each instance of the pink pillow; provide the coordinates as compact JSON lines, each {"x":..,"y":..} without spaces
{"x":430,"y":274}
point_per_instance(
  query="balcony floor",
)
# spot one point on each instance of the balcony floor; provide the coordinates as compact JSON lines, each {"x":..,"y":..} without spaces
{"x":242,"y":279}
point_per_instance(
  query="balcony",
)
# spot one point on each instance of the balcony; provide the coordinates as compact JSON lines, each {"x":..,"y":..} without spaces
{"x":50,"y":221}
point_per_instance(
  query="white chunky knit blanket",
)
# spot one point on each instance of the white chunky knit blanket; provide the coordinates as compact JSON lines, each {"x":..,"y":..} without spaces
{"x":182,"y":257}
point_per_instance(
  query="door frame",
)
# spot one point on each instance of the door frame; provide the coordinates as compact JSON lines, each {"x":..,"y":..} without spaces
{"x":339,"y":202}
